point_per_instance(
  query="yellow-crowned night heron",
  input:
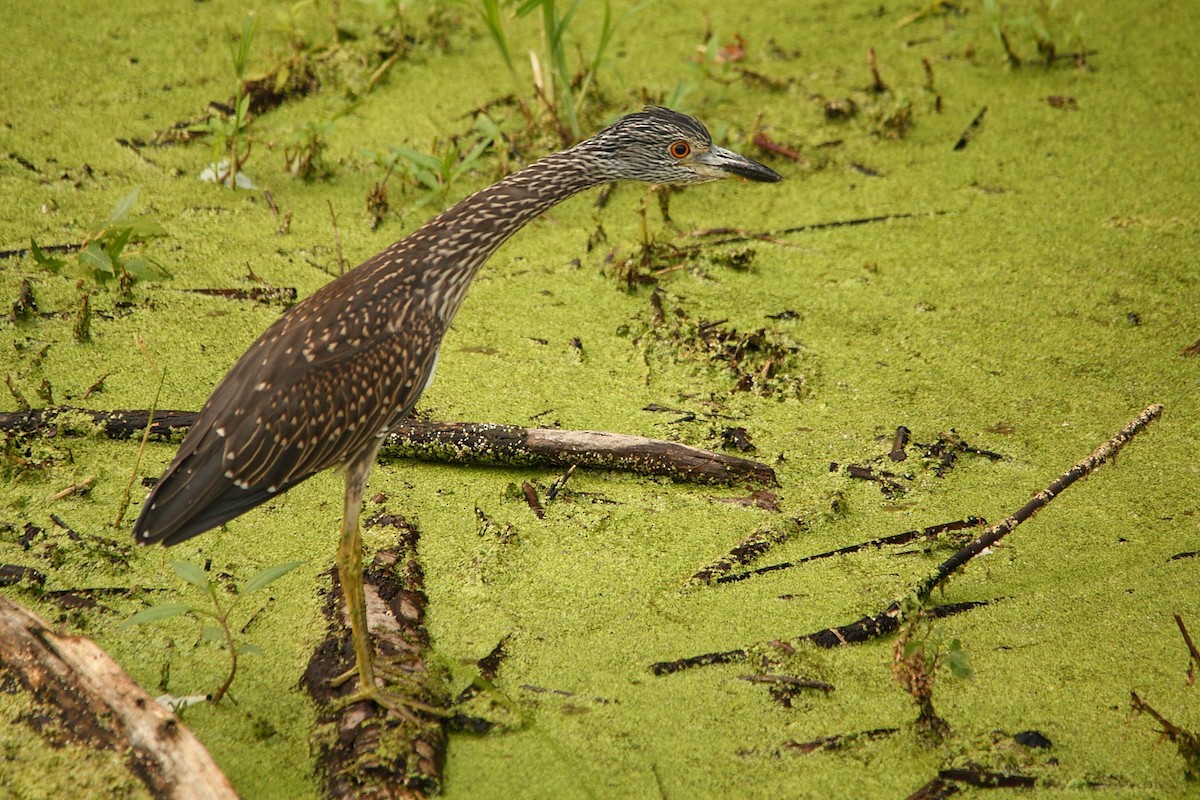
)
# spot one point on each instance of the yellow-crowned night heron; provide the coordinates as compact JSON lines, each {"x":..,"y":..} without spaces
{"x":324,"y":384}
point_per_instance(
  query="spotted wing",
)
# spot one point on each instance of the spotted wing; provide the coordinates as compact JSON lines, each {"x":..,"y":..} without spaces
{"x":320,"y":386}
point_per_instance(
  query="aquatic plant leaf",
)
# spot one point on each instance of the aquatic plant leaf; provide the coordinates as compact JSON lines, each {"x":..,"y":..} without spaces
{"x":156,"y":613}
{"x":269,"y":575}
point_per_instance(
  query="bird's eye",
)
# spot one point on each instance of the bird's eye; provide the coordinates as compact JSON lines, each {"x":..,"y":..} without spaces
{"x":680,"y":149}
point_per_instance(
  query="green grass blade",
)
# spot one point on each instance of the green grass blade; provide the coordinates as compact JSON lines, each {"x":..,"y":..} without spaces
{"x":241,"y":52}
{"x":565,"y":21}
{"x":42,"y":259}
{"x":530,"y":5}
{"x":419,"y":159}
{"x":493,"y":19}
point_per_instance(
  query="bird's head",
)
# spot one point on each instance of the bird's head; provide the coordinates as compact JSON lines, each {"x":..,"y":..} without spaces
{"x":659,"y":145}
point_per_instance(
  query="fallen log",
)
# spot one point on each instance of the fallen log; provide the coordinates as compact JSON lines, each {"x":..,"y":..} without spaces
{"x":455,"y":442}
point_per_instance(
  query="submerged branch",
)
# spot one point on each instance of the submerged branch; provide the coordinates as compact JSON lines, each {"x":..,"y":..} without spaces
{"x":889,"y":620}
{"x":455,"y":442}
{"x":362,"y":750}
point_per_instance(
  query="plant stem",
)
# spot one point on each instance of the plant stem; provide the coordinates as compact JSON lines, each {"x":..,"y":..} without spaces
{"x":220,"y":617}
{"x":125,"y":496}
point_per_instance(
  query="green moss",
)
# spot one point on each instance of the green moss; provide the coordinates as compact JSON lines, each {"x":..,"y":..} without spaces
{"x":1036,"y":298}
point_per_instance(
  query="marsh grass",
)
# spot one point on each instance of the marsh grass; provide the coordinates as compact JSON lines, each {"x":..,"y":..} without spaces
{"x":231,"y":135}
{"x":1054,"y":31}
{"x":564,"y":87}
{"x":437,"y":171}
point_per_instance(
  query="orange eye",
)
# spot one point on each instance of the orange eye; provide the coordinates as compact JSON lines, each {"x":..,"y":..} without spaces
{"x":680,"y":149}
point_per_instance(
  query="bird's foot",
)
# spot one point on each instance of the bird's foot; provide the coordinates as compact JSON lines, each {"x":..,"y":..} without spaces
{"x":389,"y":668}
{"x":369,"y":690}
{"x":406,"y":707}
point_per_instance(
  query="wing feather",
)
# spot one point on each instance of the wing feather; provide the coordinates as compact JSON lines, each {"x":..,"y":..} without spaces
{"x":312,"y":392}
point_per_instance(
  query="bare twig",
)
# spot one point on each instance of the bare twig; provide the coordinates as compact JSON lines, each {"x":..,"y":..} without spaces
{"x":22,"y":403}
{"x":930,"y":532}
{"x":877,"y":84}
{"x":890,"y":619}
{"x":382,"y":69}
{"x":1187,"y":742}
{"x":1082,"y":468}
{"x":1013,"y":59}
{"x":838,"y":741}
{"x":259,"y":294}
{"x":337,"y":239}
{"x":738,"y":235}
{"x":1193,"y":654}
{"x":559,"y":484}
{"x":531,"y":498}
{"x":741,"y":653}
{"x":969,"y":132}
{"x":75,"y":488}
{"x":137,"y":461}
{"x":899,"y":442}
{"x":95,"y":387}
{"x":750,"y":548}
{"x":790,"y":681}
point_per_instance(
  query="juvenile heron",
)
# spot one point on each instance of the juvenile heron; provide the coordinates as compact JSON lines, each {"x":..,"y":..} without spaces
{"x":324,"y":384}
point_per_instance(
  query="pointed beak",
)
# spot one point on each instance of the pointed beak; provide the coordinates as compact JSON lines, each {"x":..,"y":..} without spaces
{"x":726,"y":162}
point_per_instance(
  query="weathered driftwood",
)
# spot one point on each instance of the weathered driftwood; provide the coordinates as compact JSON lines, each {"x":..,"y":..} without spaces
{"x":458,"y":442}
{"x":363,"y":751}
{"x":889,"y":619}
{"x":85,"y":695}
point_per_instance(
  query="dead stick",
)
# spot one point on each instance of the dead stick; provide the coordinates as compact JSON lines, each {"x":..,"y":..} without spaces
{"x":996,"y":532}
{"x":877,"y":84}
{"x":737,"y":235}
{"x":558,"y":485}
{"x":337,"y":238}
{"x":890,"y":618}
{"x":457,"y":442}
{"x":1187,"y":742}
{"x":484,"y":443}
{"x":531,"y":498}
{"x":971,"y":129}
{"x":898,"y":538}
{"x":1193,"y":653}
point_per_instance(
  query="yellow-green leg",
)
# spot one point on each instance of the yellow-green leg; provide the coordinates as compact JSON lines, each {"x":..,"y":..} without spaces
{"x":350,"y":574}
